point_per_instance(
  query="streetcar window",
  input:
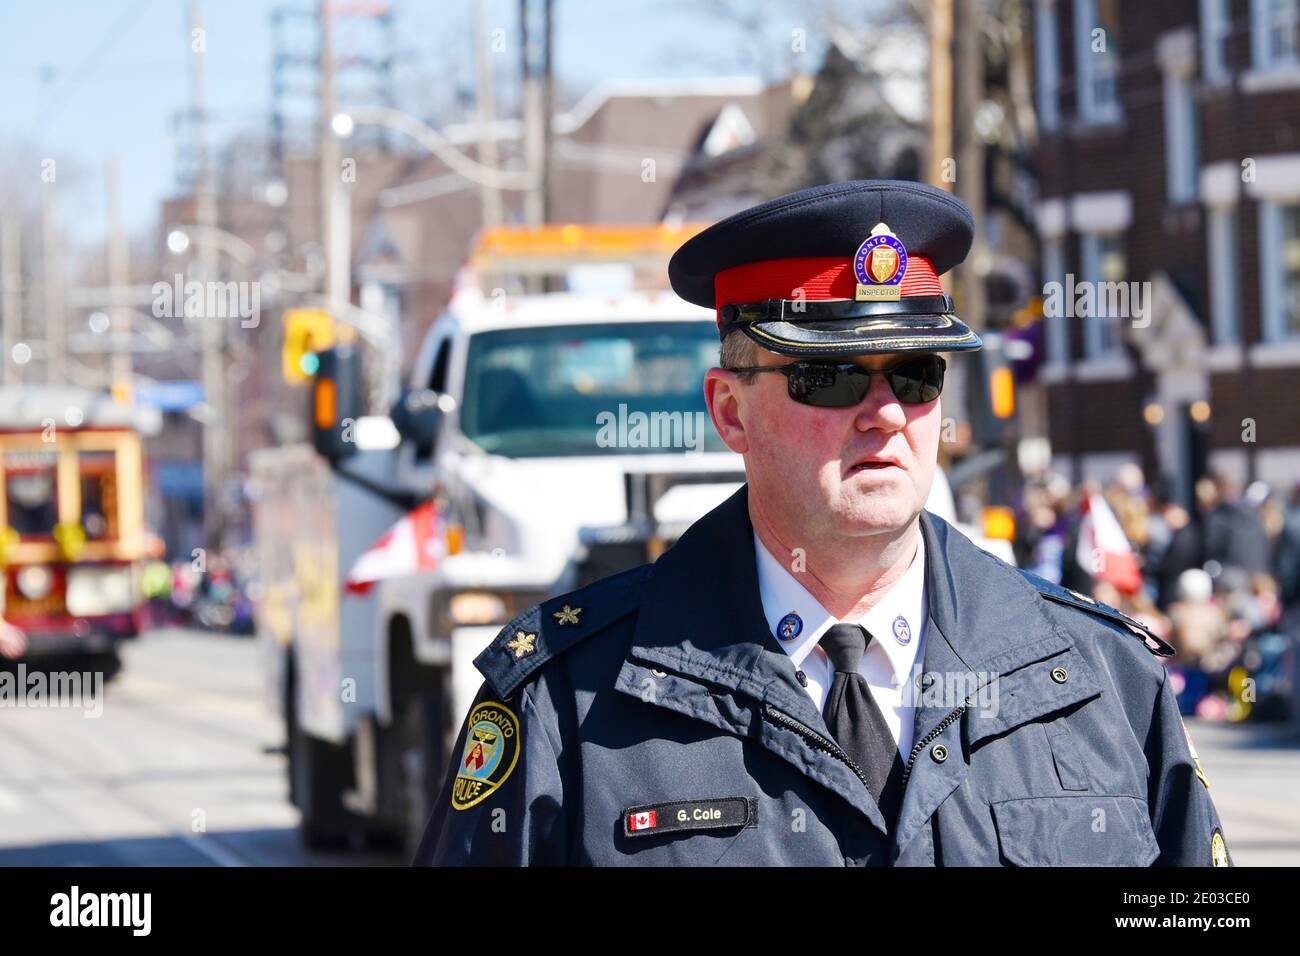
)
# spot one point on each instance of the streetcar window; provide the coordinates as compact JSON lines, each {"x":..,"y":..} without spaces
{"x":31,"y":489}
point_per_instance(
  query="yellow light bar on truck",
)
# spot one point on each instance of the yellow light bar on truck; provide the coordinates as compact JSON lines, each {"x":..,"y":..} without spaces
{"x":538,"y":248}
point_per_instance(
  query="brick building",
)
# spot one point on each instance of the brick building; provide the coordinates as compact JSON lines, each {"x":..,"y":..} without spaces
{"x":1169,"y":156}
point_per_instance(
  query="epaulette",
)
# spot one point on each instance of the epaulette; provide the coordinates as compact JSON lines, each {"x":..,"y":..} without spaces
{"x":1063,"y":595}
{"x":546,"y":630}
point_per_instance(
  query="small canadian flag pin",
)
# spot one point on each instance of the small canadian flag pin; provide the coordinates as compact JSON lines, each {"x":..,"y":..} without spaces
{"x":645,"y":820}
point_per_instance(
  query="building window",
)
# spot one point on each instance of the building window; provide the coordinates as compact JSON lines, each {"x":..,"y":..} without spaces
{"x":1216,"y":26}
{"x":1096,"y":44}
{"x":1275,"y":33}
{"x":1046,"y":65}
{"x":1291,"y":266}
{"x":1102,"y":261}
{"x":1056,"y":330}
{"x":1279,"y":243}
{"x":1181,"y":161}
{"x":1224,"y":291}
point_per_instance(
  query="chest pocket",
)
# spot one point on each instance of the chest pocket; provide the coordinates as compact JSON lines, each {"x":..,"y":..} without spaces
{"x":1083,"y":830}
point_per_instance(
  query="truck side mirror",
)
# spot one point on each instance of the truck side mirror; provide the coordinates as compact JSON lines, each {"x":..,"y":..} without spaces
{"x":417,"y":416}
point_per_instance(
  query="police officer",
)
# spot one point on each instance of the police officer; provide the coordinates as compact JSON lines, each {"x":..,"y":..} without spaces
{"x":820,"y":671}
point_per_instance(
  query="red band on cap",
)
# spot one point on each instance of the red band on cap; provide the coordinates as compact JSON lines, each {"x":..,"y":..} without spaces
{"x":822,"y":277}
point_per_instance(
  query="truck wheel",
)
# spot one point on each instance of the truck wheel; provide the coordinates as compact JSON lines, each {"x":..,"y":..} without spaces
{"x":421,"y":763}
{"x":318,"y":776}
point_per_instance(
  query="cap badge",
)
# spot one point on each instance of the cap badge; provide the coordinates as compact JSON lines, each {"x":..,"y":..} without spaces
{"x":880,"y":264}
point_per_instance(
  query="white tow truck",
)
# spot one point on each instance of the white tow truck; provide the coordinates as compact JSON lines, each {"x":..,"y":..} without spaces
{"x":562,"y":437}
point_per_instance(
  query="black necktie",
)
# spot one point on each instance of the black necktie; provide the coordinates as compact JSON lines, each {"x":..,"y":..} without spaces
{"x":856,"y":722}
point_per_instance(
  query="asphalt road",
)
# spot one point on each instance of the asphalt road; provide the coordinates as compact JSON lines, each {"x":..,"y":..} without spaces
{"x":183,"y":767}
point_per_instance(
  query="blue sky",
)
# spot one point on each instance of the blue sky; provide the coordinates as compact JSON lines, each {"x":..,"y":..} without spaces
{"x":83,"y":80}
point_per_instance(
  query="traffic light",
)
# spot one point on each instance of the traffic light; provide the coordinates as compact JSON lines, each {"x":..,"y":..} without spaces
{"x":307,"y":332}
{"x":336,"y":401}
{"x":992,"y":394}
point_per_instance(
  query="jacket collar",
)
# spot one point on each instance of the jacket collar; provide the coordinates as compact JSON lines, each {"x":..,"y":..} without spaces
{"x":701,"y":612}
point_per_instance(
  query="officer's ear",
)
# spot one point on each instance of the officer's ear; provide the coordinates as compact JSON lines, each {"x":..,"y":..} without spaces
{"x":723,"y":391}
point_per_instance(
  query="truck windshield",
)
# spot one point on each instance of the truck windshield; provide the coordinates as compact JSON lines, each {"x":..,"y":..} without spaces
{"x":619,"y":388}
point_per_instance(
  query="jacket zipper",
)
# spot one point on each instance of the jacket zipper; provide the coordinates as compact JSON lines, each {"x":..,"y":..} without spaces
{"x":823,"y":744}
{"x":943,"y":725}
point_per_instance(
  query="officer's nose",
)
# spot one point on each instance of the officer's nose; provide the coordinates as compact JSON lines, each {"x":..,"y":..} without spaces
{"x":880,"y":408}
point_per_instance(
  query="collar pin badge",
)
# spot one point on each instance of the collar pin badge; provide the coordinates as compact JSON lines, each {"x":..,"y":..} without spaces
{"x":880,"y":264}
{"x":902,"y":632}
{"x":789,"y":627}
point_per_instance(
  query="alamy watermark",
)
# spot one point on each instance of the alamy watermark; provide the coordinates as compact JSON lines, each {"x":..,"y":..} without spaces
{"x":133,"y":911}
{"x":208,"y":300}
{"x":977,"y":691}
{"x":1098,"y":300}
{"x":637,"y":429}
{"x":53,"y":690}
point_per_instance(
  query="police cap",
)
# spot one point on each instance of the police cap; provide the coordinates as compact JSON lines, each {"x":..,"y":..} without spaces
{"x":847,"y":268}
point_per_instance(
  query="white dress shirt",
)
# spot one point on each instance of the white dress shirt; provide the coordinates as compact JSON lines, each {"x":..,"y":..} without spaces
{"x":894,"y":657}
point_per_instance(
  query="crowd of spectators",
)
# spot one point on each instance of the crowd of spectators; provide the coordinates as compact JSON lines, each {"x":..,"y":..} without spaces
{"x":1220,"y":581}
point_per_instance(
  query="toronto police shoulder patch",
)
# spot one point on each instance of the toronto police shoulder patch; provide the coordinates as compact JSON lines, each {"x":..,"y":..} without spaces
{"x":491,"y":752}
{"x":1219,"y":850}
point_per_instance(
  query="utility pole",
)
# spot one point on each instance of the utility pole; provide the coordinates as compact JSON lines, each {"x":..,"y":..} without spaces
{"x":486,"y":101}
{"x":548,"y":105}
{"x":1246,"y":376}
{"x":11,"y":321}
{"x":940,"y":24}
{"x":335,"y":198}
{"x":968,"y":71}
{"x":56,"y":335}
{"x":216,"y":430}
{"x":534,"y":120}
{"x":119,"y":277}
{"x":334,"y":225}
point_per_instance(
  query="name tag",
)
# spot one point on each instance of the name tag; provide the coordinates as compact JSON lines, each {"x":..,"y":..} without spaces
{"x":716,"y":814}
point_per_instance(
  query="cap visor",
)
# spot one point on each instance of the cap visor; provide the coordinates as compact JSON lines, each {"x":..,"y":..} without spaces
{"x":866,"y":336}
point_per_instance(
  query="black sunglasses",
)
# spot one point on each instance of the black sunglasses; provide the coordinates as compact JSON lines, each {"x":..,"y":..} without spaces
{"x":914,"y":382}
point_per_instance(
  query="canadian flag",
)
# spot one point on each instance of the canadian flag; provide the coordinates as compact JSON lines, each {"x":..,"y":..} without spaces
{"x":1104,"y":550}
{"x":413,"y":544}
{"x":645,"y":820}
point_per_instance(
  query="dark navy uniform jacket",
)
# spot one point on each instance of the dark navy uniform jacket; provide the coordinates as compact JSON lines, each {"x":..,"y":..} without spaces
{"x":652,"y":718}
